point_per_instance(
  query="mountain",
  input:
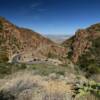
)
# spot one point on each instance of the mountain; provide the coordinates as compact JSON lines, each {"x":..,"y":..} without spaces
{"x":27,"y":44}
{"x":84,"y":48}
{"x":58,"y":38}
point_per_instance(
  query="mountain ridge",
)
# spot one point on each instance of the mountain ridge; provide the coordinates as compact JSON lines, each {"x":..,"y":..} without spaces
{"x":84,"y":48}
{"x":32,"y":44}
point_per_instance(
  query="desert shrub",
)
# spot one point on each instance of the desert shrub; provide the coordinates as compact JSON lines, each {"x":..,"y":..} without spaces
{"x":69,"y":55}
{"x":46,"y":69}
{"x":4,"y":69}
{"x":25,"y":85}
{"x":22,"y":66}
{"x":51,"y":55}
{"x":90,"y":66}
{"x":8,"y":68}
{"x":93,"y":68}
{"x":1,"y":26}
{"x":60,"y":72}
{"x":3,"y":58}
{"x":6,"y":96}
{"x":91,"y":88}
{"x":55,"y":96}
{"x":3,"y":55}
{"x":20,"y":85}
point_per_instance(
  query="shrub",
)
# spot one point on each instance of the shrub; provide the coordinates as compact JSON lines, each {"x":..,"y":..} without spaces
{"x":69,"y":55}
{"x":91,"y":87}
{"x":47,"y":69}
{"x":7,"y":68}
{"x":3,"y":55}
{"x":51,"y":55}
{"x":1,"y":26}
{"x":6,"y":96}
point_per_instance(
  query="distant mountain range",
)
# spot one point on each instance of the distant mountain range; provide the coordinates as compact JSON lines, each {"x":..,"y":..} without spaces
{"x":58,"y":38}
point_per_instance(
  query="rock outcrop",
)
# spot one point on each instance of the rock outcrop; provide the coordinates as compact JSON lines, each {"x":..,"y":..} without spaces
{"x":82,"y":41}
{"x":84,"y":49}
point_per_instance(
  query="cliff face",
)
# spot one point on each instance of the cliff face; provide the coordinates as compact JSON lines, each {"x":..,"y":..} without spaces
{"x":27,"y":43}
{"x":80,"y":44}
{"x":82,"y":41}
{"x":84,"y":48}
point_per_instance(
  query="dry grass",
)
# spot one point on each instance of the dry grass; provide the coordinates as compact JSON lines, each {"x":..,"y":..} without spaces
{"x":57,"y":90}
{"x":27,"y":86}
{"x":53,"y":86}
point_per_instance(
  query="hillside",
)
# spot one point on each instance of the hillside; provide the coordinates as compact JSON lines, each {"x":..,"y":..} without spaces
{"x":26,"y":43}
{"x":46,"y":80}
{"x":84,"y":48}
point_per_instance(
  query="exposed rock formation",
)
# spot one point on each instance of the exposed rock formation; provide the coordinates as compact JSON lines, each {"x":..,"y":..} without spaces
{"x":27,"y":43}
{"x":82,"y":41}
{"x":84,"y":49}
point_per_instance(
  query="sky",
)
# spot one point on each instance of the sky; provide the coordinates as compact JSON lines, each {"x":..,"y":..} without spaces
{"x":55,"y":17}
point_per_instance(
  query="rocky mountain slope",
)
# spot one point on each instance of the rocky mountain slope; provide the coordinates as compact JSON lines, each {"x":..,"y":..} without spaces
{"x":84,"y":48}
{"x":42,"y":81}
{"x":26,"y":43}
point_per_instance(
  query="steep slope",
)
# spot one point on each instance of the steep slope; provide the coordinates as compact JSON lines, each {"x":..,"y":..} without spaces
{"x":68,"y":42}
{"x":26,"y":43}
{"x":84,"y":48}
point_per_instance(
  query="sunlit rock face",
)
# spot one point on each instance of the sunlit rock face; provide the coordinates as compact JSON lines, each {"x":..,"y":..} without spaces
{"x":27,"y":43}
{"x":82,"y":41}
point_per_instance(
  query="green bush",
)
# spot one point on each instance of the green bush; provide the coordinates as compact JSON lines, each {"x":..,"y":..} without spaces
{"x":3,"y":58}
{"x":93,"y":68}
{"x":51,"y":55}
{"x":3,"y":55}
{"x":88,"y":88}
{"x":69,"y":55}
{"x":8,"y":68}
{"x":1,"y":26}
{"x":46,"y":69}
